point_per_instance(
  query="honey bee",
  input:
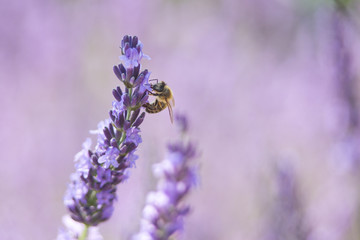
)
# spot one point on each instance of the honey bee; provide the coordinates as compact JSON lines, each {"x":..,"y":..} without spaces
{"x":164,"y":98}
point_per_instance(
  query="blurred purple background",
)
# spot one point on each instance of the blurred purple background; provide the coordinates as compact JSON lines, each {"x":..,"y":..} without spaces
{"x":259,"y":80}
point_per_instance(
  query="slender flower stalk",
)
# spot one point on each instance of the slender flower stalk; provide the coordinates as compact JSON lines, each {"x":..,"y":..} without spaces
{"x":346,"y":150}
{"x":287,"y":216}
{"x":91,"y":194}
{"x":75,"y":230}
{"x":84,"y":233}
{"x":347,"y":153}
{"x":164,"y":211}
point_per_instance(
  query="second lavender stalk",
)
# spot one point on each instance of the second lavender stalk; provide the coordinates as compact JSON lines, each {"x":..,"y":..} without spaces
{"x":164,"y":211}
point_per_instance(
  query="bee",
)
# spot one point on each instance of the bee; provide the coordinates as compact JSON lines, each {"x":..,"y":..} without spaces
{"x":164,"y":98}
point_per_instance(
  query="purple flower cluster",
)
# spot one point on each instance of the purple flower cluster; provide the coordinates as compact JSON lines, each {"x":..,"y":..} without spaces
{"x":164,"y":210}
{"x":92,"y":191}
{"x":287,"y":216}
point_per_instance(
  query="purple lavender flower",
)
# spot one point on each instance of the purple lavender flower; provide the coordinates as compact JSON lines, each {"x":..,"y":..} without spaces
{"x":110,"y":157}
{"x":131,"y":48}
{"x":91,"y":194}
{"x":286,"y":220}
{"x":82,"y":159}
{"x":346,"y":152}
{"x":164,"y":210}
{"x":182,"y":123}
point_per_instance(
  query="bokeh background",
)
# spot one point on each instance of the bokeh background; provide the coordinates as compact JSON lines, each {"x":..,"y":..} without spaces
{"x":270,"y":88}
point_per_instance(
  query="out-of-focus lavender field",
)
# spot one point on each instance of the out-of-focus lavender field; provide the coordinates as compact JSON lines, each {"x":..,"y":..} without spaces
{"x":271,"y":89}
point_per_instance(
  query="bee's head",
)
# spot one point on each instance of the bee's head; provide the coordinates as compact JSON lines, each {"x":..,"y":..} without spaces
{"x":159,"y":86}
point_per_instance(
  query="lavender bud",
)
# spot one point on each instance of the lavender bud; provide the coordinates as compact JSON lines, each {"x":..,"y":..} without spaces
{"x":113,"y":142}
{"x":126,"y":100}
{"x":117,"y":135}
{"x":116,"y":95}
{"x":106,"y":143}
{"x":139,"y":79}
{"x":138,"y":48}
{"x":118,"y":124}
{"x":94,"y":159}
{"x":144,"y":98}
{"x":135,"y":41}
{"x":111,"y":130}
{"x":111,"y":114}
{"x":135,"y":99}
{"x":136,"y":71}
{"x":127,"y":125}
{"x":125,"y":41}
{"x":123,"y":149}
{"x":90,"y":153}
{"x":117,"y":73}
{"x":130,"y":147}
{"x":142,"y":78}
{"x":122,"y":119}
{"x":134,"y":115}
{"x":122,"y":70}
{"x":126,"y":47}
{"x":131,"y":81}
{"x":107,"y":133}
{"x":139,"y":120}
{"x":129,"y":74}
{"x":118,"y":89}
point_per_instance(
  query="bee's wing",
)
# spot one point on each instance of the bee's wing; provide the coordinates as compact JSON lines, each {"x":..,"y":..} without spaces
{"x":172,"y":98}
{"x":173,"y":101}
{"x":170,"y":111}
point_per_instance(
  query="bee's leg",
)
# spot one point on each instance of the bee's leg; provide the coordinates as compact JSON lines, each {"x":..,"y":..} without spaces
{"x":150,"y":92}
{"x":153,"y":94}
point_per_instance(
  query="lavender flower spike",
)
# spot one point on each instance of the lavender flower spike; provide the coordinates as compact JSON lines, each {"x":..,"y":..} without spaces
{"x":286,"y":219}
{"x":164,"y":210}
{"x":91,"y":194}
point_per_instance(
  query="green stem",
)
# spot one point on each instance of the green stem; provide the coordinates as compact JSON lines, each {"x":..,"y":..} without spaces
{"x":127,"y":118}
{"x":128,"y":110}
{"x":84,"y":233}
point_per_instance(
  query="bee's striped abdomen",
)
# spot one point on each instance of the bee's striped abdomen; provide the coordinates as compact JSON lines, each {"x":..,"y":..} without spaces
{"x":154,"y":107}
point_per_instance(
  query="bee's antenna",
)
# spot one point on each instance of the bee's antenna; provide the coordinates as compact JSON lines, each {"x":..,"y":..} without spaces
{"x":155,"y":79}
